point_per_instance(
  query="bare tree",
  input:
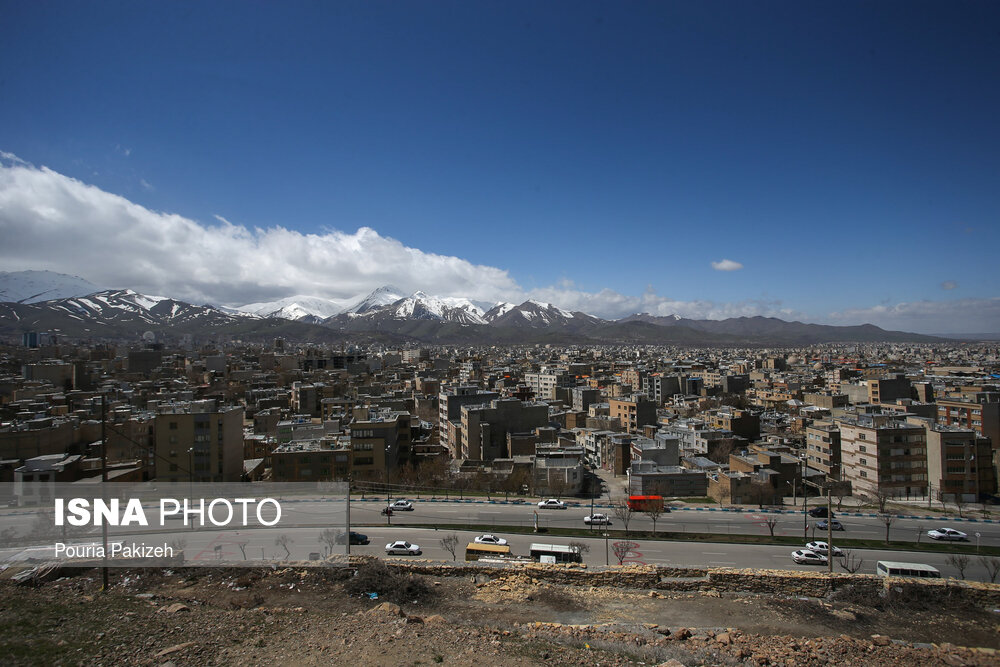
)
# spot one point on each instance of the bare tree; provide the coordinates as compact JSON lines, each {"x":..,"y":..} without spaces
{"x":960,"y":505}
{"x":558,"y":486}
{"x":178,"y":546}
{"x":761,"y":492}
{"x":984,"y":508}
{"x":450,"y":544}
{"x":879,"y":498}
{"x":960,"y":562}
{"x":654,"y":511}
{"x":283,"y":541}
{"x":329,"y":538}
{"x":622,"y":549}
{"x":850,"y":562}
{"x":623,"y":512}
{"x":920,"y":532}
{"x":771,"y":522}
{"x":243,"y":549}
{"x":887,"y":520}
{"x":992,"y":565}
{"x":840,"y":495}
{"x":580,"y":547}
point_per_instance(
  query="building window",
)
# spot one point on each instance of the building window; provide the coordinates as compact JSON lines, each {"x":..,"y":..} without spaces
{"x":173,"y":426}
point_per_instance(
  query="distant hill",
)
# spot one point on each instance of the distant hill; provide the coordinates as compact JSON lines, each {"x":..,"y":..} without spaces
{"x":387,"y":314}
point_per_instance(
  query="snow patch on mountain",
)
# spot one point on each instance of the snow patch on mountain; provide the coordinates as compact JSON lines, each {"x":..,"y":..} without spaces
{"x":38,"y":286}
{"x":296,"y":307}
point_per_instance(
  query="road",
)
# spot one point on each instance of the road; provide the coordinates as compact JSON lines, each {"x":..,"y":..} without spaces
{"x":253,"y":546}
{"x":748,"y":522}
{"x":305,"y":518}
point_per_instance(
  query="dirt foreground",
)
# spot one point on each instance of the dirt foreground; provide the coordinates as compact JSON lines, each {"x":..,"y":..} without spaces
{"x":327,"y":616}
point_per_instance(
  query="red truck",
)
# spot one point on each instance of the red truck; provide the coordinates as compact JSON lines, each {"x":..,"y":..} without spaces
{"x":645,"y":503}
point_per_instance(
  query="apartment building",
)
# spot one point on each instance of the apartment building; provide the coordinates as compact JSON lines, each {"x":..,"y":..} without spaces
{"x":959,"y":463}
{"x":450,"y":404}
{"x":660,"y":388}
{"x":381,"y":443}
{"x":547,"y":381}
{"x":739,"y":422}
{"x":634,"y":412}
{"x":485,"y":428}
{"x":198,"y":442}
{"x":880,"y":454}
{"x":888,"y":389}
{"x":823,"y":448}
{"x":312,"y":461}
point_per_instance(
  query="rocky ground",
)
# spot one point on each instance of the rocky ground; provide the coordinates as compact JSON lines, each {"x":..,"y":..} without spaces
{"x":325,"y":616}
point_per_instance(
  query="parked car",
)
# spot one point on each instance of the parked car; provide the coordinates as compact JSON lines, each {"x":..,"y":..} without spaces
{"x":809,"y":557}
{"x":356,"y":538}
{"x":947,"y":534}
{"x":834,"y":525}
{"x":551,"y":504}
{"x":490,"y":539}
{"x":402,"y":548}
{"x":401,"y":506}
{"x":821,"y":513}
{"x":597,"y":519}
{"x":822,"y":548}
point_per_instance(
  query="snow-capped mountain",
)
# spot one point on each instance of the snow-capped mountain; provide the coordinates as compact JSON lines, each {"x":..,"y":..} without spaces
{"x":300,"y":307}
{"x":536,"y":314}
{"x":379,"y":298}
{"x":417,"y":306}
{"x":127,"y":306}
{"x":36,"y":286}
{"x":498,"y":310}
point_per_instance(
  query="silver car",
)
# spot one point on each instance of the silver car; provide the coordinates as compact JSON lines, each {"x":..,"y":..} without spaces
{"x":947,"y":534}
{"x":402,"y":548}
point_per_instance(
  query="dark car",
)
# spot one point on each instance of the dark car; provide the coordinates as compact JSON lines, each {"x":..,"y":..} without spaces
{"x":820,"y":513}
{"x":356,"y":538}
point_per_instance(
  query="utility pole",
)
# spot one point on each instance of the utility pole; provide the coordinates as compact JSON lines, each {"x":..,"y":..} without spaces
{"x":829,"y":531}
{"x":104,"y":489}
{"x":805,"y":514}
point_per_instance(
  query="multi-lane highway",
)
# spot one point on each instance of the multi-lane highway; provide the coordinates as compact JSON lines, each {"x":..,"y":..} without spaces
{"x":304,"y":520}
{"x":747,"y":522}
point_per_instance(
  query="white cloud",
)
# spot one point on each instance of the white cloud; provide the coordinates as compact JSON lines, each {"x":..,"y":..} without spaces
{"x":13,"y":159}
{"x":146,"y":184}
{"x":726,"y":265}
{"x":949,"y":285}
{"x":51,"y":221}
{"x":610,"y":304}
{"x":958,"y":316}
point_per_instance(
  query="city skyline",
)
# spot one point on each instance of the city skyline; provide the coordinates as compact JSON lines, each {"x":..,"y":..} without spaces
{"x":835,"y":165}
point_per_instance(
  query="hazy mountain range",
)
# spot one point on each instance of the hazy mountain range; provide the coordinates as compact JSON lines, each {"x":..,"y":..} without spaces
{"x":47,"y":301}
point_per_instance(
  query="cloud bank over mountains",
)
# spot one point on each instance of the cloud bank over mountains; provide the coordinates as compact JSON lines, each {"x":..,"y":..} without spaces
{"x":51,"y":221}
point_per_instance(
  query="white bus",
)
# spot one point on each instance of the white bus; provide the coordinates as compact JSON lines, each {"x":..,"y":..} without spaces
{"x":890,"y":568}
{"x":555,"y":553}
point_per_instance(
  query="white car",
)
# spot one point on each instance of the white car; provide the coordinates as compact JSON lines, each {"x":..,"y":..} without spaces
{"x":491,"y":539}
{"x":401,"y":506}
{"x":807,"y":556}
{"x":552,"y":504}
{"x":947,"y":534}
{"x":597,"y":519}
{"x":822,"y":548}
{"x":402,"y":548}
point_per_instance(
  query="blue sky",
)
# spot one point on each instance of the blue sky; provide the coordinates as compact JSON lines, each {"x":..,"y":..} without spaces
{"x":598,"y":155}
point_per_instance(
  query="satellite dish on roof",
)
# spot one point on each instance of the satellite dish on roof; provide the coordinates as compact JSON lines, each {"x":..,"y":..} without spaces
{"x":149,"y":337}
